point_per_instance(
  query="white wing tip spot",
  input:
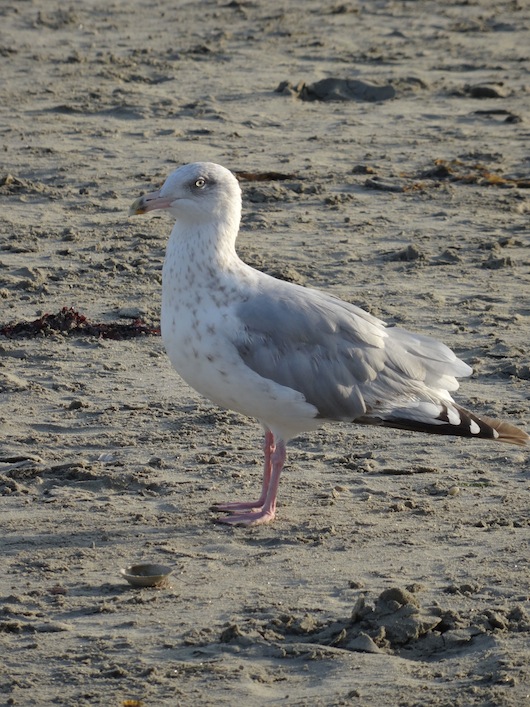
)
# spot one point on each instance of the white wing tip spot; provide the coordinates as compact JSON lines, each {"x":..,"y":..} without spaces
{"x":455,"y":419}
{"x":475,"y":429}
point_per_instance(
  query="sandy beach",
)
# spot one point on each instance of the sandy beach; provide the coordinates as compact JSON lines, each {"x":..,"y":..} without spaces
{"x":382,"y":150}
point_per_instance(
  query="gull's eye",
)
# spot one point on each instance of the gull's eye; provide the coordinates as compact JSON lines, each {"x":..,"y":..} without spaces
{"x":200,"y":183}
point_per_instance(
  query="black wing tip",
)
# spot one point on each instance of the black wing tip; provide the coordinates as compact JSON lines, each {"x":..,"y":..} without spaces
{"x":506,"y":432}
{"x":468,"y":425}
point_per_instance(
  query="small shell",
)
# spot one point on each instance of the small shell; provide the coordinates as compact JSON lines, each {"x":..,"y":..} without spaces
{"x":146,"y":574}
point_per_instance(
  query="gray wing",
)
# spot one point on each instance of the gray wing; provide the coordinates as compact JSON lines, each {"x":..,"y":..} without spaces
{"x":346,"y":363}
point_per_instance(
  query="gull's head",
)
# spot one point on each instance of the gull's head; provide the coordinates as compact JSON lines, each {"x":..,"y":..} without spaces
{"x":195,"y":193}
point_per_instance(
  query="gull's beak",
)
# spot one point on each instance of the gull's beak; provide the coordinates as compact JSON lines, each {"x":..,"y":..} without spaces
{"x":149,"y":202}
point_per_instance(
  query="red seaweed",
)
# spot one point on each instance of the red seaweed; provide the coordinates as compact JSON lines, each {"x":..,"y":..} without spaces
{"x":69,"y":322}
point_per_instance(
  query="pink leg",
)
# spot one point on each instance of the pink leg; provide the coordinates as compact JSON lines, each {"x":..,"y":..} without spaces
{"x":268,"y":448}
{"x":268,"y":510}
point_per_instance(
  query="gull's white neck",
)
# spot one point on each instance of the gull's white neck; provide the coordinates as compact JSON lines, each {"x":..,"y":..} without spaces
{"x":202,"y":265}
{"x":207,"y":244}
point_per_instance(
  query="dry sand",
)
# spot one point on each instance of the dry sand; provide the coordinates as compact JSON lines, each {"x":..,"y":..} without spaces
{"x":397,"y":570}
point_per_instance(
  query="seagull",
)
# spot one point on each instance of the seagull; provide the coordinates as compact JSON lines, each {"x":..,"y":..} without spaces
{"x":290,"y":356}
